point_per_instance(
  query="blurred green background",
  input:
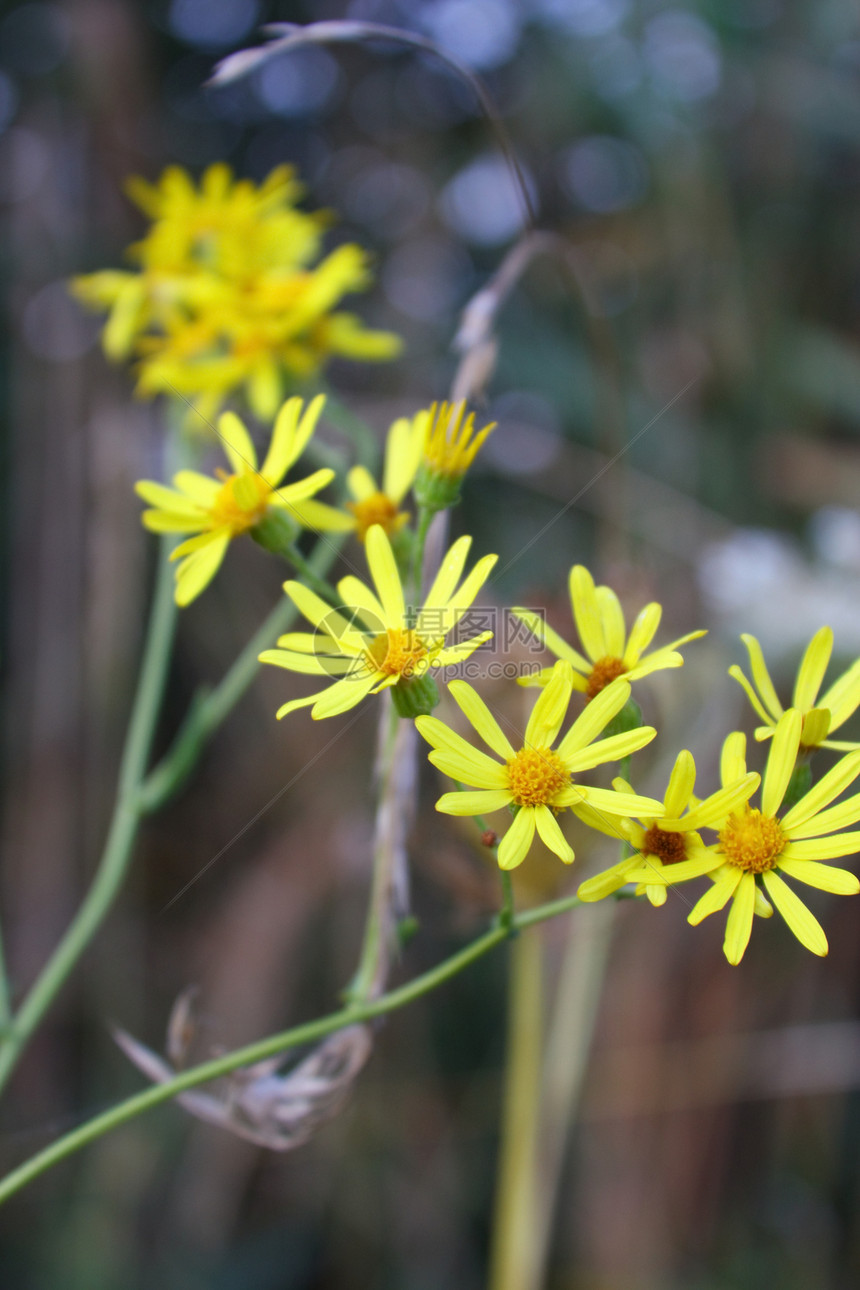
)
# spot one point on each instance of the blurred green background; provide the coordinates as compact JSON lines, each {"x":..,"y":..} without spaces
{"x":703,"y":161}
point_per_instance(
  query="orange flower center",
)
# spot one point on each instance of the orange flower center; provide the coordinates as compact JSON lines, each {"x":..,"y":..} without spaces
{"x":669,"y":847}
{"x":376,"y":509}
{"x":397,"y":653}
{"x":241,"y":501}
{"x":752,"y":841}
{"x":604,"y":671}
{"x":536,"y":776}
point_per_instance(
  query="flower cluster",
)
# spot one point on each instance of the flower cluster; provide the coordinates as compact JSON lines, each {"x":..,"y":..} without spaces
{"x":229,"y":293}
{"x":224,"y":297}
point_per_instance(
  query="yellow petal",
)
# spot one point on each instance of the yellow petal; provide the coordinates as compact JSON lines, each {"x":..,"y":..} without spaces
{"x":481,"y":718}
{"x":289,"y":494}
{"x":357,"y":595}
{"x":551,"y":639}
{"x":611,"y":749}
{"x":781,"y":760}
{"x":552,"y":836}
{"x":289,"y":437}
{"x":361,"y":483}
{"x":237,"y":443}
{"x":480,"y":803}
{"x":550,"y":708}
{"x":604,"y":884}
{"x":826,"y":877}
{"x":202,"y":489}
{"x":514,"y":846}
{"x":733,"y":759}
{"x":725,"y":884}
{"x":682,"y":781}
{"x":612,"y":620}
{"x":822,"y":794}
{"x":712,"y":812}
{"x":586,"y":612}
{"x":761,"y":677}
{"x":740,"y":920}
{"x":383,"y":568}
{"x":594,"y":718}
{"x":198,"y":569}
{"x":804,"y":924}
{"x":342,"y":696}
{"x":737,"y":675}
{"x":642,"y":633}
{"x":843,"y":697}
{"x":463,"y":597}
{"x":838,"y":844}
{"x":168,"y":499}
{"x":837,"y":817}
{"x":450,"y":571}
{"x":403,"y":450}
{"x":813,"y":665}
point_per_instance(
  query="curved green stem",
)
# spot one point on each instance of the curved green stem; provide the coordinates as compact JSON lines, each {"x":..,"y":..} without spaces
{"x":123,"y":827}
{"x":271,"y":1047}
{"x":314,"y":579}
{"x":396,"y":763}
{"x":514,"y":1210}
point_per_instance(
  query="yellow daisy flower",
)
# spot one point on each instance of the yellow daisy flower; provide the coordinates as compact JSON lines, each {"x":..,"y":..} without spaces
{"x":763,"y":844}
{"x":219,"y":510}
{"x":536,"y":778}
{"x":226,"y":295}
{"x":372,"y":503}
{"x":374,"y":642}
{"x":611,"y":653}
{"x":822,"y":715}
{"x":668,"y":843}
{"x":451,"y":444}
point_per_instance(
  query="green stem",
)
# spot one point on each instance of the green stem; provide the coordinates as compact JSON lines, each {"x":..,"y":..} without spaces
{"x":507,"y":912}
{"x":514,"y":1211}
{"x":210,"y":710}
{"x":396,"y":757}
{"x":271,"y":1047}
{"x":570,"y":1034}
{"x":425,"y":519}
{"x":315,"y":580}
{"x":124,"y":824}
{"x":5,"y":1003}
{"x":357,"y":430}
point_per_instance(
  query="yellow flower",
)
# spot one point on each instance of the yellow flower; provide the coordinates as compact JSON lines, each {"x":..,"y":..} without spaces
{"x":763,"y":844}
{"x":374,"y":643}
{"x":667,"y":847}
{"x":226,"y":295}
{"x":218,"y":510}
{"x":536,"y":778}
{"x":372,"y":503}
{"x":611,"y":653}
{"x":451,"y":444}
{"x":820,"y":716}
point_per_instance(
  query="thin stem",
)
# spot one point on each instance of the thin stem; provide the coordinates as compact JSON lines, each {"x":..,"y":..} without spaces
{"x":315,"y":580}
{"x":506,"y":913}
{"x":570,"y":1034}
{"x":356,"y":429}
{"x":425,"y":518}
{"x":5,"y":1003}
{"x":128,"y":1110}
{"x":124,"y":824}
{"x":396,"y":770}
{"x":511,"y":1258}
{"x":210,"y":710}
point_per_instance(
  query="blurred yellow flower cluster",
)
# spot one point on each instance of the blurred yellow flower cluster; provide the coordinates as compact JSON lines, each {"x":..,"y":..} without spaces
{"x":228,"y":293}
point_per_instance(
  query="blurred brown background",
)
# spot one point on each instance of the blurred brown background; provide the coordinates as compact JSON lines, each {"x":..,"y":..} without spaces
{"x":703,"y":160}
